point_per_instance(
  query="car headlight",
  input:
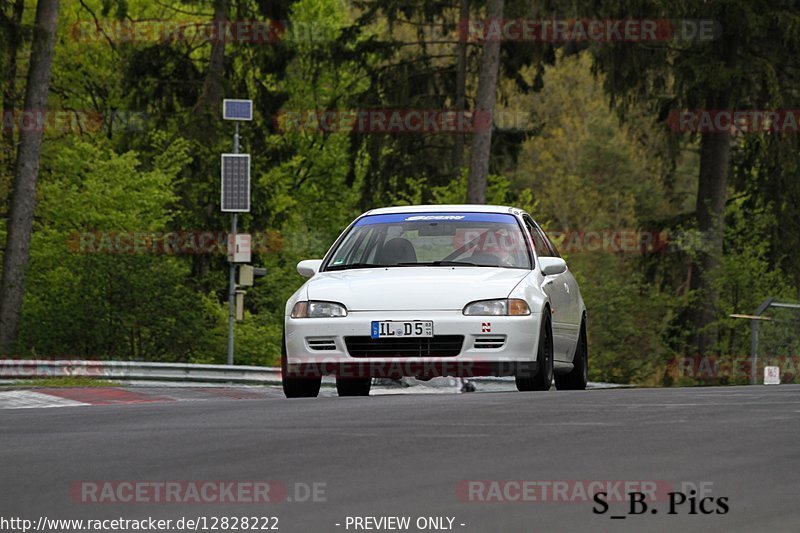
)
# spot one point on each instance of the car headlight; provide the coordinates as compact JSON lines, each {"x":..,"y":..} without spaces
{"x":318,"y":310}
{"x":506,"y":307}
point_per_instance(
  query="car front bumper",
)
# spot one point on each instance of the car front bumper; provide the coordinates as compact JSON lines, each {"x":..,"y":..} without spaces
{"x":492,"y":345}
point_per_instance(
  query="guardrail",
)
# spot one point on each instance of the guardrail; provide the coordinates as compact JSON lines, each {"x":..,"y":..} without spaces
{"x":137,"y":371}
{"x":18,"y":369}
{"x":145,"y":371}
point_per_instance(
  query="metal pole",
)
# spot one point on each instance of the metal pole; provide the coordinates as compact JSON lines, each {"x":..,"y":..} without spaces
{"x":754,"y":339}
{"x":232,"y":273}
{"x":753,"y":351}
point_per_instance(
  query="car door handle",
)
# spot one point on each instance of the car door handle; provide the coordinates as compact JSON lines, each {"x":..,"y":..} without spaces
{"x":566,"y":287}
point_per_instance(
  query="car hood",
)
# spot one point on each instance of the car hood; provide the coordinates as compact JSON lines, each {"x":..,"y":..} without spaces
{"x":413,"y":288}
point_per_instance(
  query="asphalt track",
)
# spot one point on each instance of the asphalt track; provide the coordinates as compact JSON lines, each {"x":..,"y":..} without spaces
{"x":409,"y":455}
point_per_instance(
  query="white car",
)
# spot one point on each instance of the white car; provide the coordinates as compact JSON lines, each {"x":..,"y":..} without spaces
{"x":436,"y":290}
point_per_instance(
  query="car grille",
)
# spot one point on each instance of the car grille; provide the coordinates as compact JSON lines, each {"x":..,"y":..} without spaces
{"x":436,"y":346}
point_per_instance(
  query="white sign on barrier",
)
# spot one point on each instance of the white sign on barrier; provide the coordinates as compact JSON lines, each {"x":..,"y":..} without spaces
{"x":772,"y":375}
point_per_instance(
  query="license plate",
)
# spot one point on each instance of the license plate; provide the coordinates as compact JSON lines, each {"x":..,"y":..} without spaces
{"x":400,"y":328}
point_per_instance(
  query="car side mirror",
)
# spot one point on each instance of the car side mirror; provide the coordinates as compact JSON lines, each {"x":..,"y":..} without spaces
{"x":309,"y":267}
{"x":551,"y":266}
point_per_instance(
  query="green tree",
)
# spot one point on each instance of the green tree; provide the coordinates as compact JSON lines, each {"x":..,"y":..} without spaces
{"x":26,"y":173}
{"x":737,"y":69}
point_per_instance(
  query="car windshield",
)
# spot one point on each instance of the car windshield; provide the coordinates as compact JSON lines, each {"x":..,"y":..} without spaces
{"x":433,"y":239}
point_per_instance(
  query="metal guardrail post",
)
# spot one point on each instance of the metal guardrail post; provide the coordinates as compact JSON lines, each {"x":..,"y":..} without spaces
{"x":754,"y":339}
{"x":755,"y":318}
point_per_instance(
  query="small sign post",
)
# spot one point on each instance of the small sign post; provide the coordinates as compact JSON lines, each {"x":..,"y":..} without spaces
{"x":235,"y":198}
{"x":772,"y":375}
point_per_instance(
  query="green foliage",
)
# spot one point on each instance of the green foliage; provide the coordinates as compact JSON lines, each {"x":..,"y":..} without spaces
{"x":627,"y":319}
{"x":745,"y":278}
{"x":86,"y":300}
{"x":586,"y":170}
{"x":71,"y":381}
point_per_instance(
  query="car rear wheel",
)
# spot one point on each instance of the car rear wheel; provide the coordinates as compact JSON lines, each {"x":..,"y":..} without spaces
{"x":578,"y":377}
{"x":297,"y":386}
{"x":542,"y":380}
{"x":353,"y":386}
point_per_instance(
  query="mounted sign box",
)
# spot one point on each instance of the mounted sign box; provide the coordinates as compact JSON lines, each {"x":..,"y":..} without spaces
{"x":237,"y":109}
{"x":239,"y":247}
{"x":235,"y":188}
{"x":245,"y":276}
{"x":248,"y":275}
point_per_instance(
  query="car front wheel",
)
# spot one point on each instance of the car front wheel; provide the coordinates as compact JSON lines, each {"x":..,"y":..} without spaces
{"x":578,"y":377}
{"x":297,"y":386}
{"x":542,"y":380}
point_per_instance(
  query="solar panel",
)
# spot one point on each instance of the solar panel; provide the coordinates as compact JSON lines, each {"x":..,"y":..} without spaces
{"x":237,"y":109}
{"x":235,"y":188}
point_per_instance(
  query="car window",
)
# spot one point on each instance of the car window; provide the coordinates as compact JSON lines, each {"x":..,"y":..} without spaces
{"x":539,"y":242}
{"x":434,"y":239}
{"x":356,"y":250}
{"x":551,"y":248}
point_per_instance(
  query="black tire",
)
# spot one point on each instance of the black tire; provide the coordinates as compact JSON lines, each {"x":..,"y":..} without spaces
{"x":542,"y":380}
{"x":297,"y":387}
{"x":353,"y":386}
{"x":578,"y":377}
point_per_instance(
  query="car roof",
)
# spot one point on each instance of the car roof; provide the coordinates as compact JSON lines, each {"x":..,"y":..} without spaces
{"x":464,"y":208}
